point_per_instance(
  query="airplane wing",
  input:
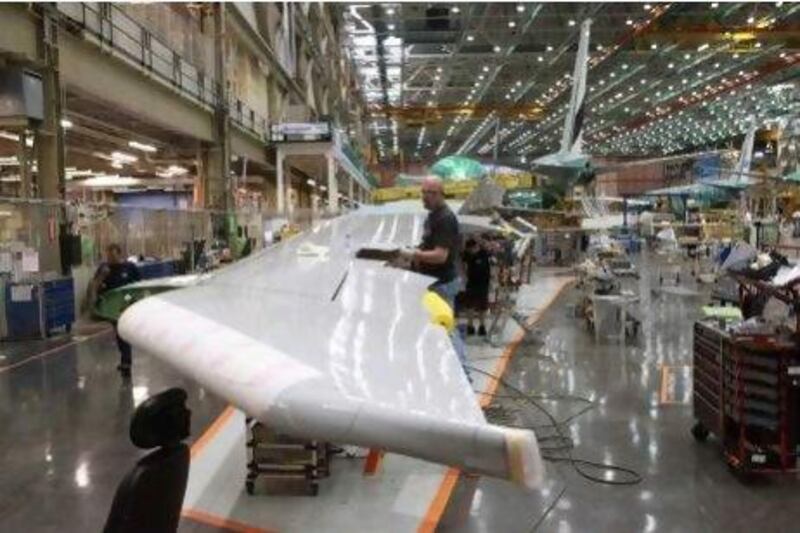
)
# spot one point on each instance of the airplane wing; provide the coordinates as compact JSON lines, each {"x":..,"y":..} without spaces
{"x":318,"y":344}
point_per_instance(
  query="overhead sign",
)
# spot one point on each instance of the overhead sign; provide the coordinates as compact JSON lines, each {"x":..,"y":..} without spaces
{"x":301,"y":131}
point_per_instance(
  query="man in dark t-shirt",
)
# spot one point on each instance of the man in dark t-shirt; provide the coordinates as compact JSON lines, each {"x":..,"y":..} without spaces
{"x":439,"y":251}
{"x":114,"y":273}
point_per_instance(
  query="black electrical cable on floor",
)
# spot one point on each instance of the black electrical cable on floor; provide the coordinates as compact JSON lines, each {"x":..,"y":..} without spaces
{"x":566,"y":444}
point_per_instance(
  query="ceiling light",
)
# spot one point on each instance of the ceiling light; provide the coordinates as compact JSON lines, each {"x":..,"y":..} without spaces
{"x":439,"y":69}
{"x":629,"y":22}
{"x":714,"y":5}
{"x":653,"y":46}
{"x":470,"y":38}
{"x":519,"y":84}
{"x":65,"y":123}
{"x":486,"y":68}
{"x":496,"y":49}
{"x":758,"y":44}
{"x":687,"y":56}
{"x":390,"y":27}
{"x":736,"y":56}
{"x":540,"y":59}
{"x":512,"y":24}
{"x":702,"y":47}
{"x":571,"y":22}
{"x":549,"y":48}
{"x":455,"y":9}
{"x":123,"y":157}
{"x":390,"y":11}
{"x":751,"y":20}
{"x":149,"y":148}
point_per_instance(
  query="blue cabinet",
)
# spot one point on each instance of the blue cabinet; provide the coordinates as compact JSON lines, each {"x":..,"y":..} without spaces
{"x":37,"y":309}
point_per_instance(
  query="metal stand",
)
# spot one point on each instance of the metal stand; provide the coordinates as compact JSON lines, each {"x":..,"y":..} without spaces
{"x":277,"y":456}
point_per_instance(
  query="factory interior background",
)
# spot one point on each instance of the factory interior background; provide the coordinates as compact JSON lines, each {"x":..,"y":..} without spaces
{"x":225,"y":209}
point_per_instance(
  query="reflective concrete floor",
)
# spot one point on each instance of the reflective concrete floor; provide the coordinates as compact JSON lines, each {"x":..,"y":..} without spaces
{"x":65,"y":411}
{"x":637,"y":423}
{"x":64,"y":414}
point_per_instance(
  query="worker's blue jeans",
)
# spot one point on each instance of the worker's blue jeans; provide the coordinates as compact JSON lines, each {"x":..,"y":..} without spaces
{"x":448,"y":291}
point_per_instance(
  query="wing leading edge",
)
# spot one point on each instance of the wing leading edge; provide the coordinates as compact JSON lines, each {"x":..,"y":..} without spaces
{"x":361,"y":364}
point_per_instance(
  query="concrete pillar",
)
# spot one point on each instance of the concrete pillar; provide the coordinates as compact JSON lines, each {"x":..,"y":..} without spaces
{"x":214,"y":174}
{"x":280,"y":186}
{"x":351,"y":190}
{"x":218,"y":194}
{"x":333,"y":184}
{"x":49,"y":142}
{"x":23,"y":157}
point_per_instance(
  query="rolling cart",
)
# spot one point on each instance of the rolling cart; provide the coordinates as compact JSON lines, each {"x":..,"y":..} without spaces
{"x":746,"y":391}
{"x":276,"y":456}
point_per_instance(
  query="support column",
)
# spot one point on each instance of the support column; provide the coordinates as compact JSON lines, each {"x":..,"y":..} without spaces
{"x":24,"y":167}
{"x":280,"y":187}
{"x":351,"y":191}
{"x":49,"y":143}
{"x":49,"y":137}
{"x":333,"y":184}
{"x":218,"y":194}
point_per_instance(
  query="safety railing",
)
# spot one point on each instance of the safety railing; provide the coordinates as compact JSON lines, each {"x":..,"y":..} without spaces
{"x":111,"y":26}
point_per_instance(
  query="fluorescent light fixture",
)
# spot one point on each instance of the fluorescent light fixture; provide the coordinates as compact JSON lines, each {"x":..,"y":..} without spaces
{"x":9,"y":136}
{"x":110,"y":180}
{"x":702,"y":47}
{"x":123,"y":157}
{"x":142,"y":147}
{"x":455,"y":9}
{"x":10,"y":161}
{"x":520,"y":8}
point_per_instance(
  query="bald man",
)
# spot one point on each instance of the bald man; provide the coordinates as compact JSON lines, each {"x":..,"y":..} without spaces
{"x":438,"y":253}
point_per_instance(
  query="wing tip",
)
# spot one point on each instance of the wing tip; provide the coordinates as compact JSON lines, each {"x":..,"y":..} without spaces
{"x":524,"y":460}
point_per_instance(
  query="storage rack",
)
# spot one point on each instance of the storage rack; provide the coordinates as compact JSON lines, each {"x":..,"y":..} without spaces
{"x":277,"y":456}
{"x":747,"y":391}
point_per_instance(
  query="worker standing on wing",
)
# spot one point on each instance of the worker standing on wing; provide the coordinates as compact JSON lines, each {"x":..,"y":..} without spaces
{"x":438,"y":254}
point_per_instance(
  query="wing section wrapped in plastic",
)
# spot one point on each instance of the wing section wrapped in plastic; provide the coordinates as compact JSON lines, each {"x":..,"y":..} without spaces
{"x":320,"y":345}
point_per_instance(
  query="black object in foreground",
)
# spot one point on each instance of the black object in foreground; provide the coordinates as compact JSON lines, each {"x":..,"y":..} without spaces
{"x":150,"y":497}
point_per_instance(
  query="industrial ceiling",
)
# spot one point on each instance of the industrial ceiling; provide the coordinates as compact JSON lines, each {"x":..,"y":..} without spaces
{"x":663,"y":78}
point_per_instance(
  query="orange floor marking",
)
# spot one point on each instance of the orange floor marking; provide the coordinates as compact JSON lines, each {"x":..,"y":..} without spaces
{"x":445,"y":491}
{"x":53,"y":350}
{"x":373,"y":462}
{"x":215,"y":427}
{"x":220,"y":522}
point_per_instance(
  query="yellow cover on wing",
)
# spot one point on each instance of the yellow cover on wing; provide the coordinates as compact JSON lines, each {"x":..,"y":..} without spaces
{"x":441,"y":313}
